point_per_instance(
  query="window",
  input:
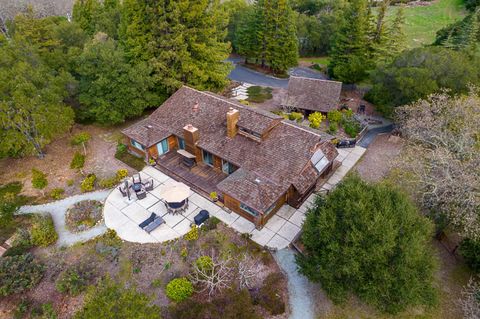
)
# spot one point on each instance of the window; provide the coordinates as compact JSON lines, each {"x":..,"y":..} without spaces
{"x":162,"y":147}
{"x":249,"y":210}
{"x":181,"y":143}
{"x":227,"y":167}
{"x":137,"y":145}
{"x":207,"y":158}
{"x":250,"y":132}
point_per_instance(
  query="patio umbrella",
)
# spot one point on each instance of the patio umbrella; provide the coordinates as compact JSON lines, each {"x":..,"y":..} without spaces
{"x":175,"y":193}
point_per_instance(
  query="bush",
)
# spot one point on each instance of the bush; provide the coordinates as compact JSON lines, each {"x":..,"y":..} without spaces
{"x":70,"y":182}
{"x":192,"y":234}
{"x":7,"y":211}
{"x":78,"y":161}
{"x":470,"y":250}
{"x":332,"y":128}
{"x":111,"y":300}
{"x":211,"y":223}
{"x":83,"y":215}
{"x":57,"y":193}
{"x":371,"y":240}
{"x":80,"y":138}
{"x":121,"y":149}
{"x":121,"y":174}
{"x":46,"y":311}
{"x":352,"y":128}
{"x":295,"y":116}
{"x":179,"y":289}
{"x":268,"y":296}
{"x":18,"y":273}
{"x":20,"y":244}
{"x":204,"y":263}
{"x":315,"y":119}
{"x":73,"y":280}
{"x":43,"y":231}
{"x":39,"y":179}
{"x":334,"y":116}
{"x":88,"y":184}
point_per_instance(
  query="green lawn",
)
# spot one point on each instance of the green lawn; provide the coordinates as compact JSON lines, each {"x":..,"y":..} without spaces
{"x":422,"y":22}
{"x":322,"y":60}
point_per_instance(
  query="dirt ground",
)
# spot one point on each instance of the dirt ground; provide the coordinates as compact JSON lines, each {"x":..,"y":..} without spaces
{"x":56,"y":164}
{"x":140,"y":265}
{"x":379,"y":158}
{"x":275,"y":103}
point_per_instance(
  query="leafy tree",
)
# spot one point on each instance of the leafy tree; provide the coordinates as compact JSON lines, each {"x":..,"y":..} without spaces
{"x":416,"y":73}
{"x":369,"y":239}
{"x":39,"y":179}
{"x":440,"y":160}
{"x":32,"y":111}
{"x":111,"y":300}
{"x":110,"y":89}
{"x":19,"y":273}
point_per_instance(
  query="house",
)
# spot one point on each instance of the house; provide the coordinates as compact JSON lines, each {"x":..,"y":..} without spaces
{"x":255,"y":160}
{"x":312,"y":95}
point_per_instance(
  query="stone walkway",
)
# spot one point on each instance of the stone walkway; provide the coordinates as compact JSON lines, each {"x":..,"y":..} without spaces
{"x":58,"y":209}
{"x":124,"y":215}
{"x":241,"y":92}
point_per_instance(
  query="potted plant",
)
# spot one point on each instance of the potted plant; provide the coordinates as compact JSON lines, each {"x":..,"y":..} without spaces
{"x":214,"y":196}
{"x":152,"y":161}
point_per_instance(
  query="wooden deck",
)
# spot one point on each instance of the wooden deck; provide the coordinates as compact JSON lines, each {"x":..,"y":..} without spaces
{"x":202,"y":178}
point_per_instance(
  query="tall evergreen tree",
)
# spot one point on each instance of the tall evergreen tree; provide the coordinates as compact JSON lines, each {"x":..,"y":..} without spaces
{"x":84,"y":12}
{"x":350,"y":56}
{"x":396,"y":35}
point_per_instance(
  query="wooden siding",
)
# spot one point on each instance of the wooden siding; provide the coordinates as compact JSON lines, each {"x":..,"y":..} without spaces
{"x":234,"y":205}
{"x":281,"y":201}
{"x":153,"y":151}
{"x":172,"y":142}
{"x":217,"y":162}
{"x":135,"y":150}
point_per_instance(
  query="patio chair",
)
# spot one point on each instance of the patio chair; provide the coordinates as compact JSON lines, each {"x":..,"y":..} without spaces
{"x":122,"y":191}
{"x":141,"y":194}
{"x":148,"y":185}
{"x":137,"y":182}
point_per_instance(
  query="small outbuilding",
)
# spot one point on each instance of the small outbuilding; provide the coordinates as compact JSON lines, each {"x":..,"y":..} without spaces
{"x":312,"y":95}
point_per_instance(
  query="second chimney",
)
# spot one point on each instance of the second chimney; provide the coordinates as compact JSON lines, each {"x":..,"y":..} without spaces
{"x":232,"y":119}
{"x":191,"y":135}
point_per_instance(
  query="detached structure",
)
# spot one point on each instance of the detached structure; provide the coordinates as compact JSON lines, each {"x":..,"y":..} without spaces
{"x":312,"y":95}
{"x":254,"y":160}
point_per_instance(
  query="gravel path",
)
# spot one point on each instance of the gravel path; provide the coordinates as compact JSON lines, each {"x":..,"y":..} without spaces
{"x":299,"y":289}
{"x":58,"y":209}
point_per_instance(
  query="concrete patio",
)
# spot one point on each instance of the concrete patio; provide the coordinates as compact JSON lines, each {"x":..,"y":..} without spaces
{"x":123,"y":215}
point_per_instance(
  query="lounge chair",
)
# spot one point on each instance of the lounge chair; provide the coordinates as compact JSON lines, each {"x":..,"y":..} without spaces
{"x":151,"y":223}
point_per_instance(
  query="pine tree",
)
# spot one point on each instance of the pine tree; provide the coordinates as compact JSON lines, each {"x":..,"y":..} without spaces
{"x":396,"y":41}
{"x":135,"y":30}
{"x":350,"y":56}
{"x":84,"y":12}
{"x":280,"y":36}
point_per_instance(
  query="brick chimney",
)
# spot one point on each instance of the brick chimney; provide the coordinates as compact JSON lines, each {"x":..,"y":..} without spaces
{"x":191,"y":135}
{"x":232,"y":119}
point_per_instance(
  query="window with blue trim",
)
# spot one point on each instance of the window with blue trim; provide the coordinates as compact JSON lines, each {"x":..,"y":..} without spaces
{"x":227,"y":167}
{"x":207,"y":157}
{"x":137,"y":145}
{"x":249,"y":210}
{"x":162,"y":147}
{"x":181,"y":143}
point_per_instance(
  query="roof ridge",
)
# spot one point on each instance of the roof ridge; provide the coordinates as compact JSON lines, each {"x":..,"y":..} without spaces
{"x":314,"y":79}
{"x":238,"y":105}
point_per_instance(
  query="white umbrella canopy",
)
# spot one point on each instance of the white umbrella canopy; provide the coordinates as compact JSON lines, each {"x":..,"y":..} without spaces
{"x":175,"y":192}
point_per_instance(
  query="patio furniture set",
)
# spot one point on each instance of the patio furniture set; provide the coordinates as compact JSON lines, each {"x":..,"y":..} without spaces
{"x":175,"y":198}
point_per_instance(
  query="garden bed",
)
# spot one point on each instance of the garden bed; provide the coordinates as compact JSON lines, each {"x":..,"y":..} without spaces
{"x":83,"y":215}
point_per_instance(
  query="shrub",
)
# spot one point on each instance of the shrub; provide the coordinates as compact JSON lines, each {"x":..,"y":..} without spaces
{"x":192,"y":234}
{"x":211,"y":223}
{"x":20,"y":244}
{"x":332,"y":128}
{"x":73,"y":280}
{"x":18,"y":273}
{"x":121,"y":174}
{"x":57,"y":193}
{"x":470,"y":250}
{"x":83,"y":215}
{"x":46,"y":311}
{"x":78,"y":161}
{"x":112,"y":300}
{"x":334,"y":116}
{"x":39,"y":179}
{"x":108,"y":182}
{"x":88,"y":184}
{"x":268,"y":296}
{"x":80,"y":138}
{"x":156,"y":283}
{"x":43,"y":231}
{"x":204,"y":263}
{"x":121,"y":149}
{"x":352,"y":128}
{"x":7,"y":210}
{"x":315,"y":119}
{"x":70,"y":182}
{"x":179,"y":289}
{"x":295,"y":116}
{"x":370,"y":240}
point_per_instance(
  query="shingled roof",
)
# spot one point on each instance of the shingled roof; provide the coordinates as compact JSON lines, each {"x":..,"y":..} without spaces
{"x":267,"y":167}
{"x":313,"y":94}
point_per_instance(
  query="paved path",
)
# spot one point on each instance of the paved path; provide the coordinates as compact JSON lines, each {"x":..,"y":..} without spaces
{"x":299,"y":296}
{"x":368,"y":138}
{"x":246,"y":75}
{"x":58,"y":209}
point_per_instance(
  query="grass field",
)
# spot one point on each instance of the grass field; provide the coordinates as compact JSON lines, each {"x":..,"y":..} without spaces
{"x":422,"y":22}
